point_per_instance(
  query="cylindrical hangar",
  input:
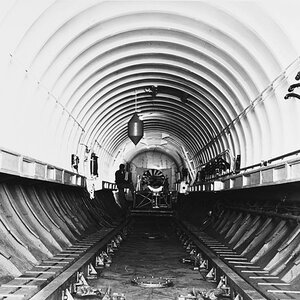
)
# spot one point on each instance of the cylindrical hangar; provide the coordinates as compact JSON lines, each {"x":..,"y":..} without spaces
{"x":166,"y":130}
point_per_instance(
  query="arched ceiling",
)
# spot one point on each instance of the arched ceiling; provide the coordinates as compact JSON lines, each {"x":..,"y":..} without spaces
{"x":82,"y":68}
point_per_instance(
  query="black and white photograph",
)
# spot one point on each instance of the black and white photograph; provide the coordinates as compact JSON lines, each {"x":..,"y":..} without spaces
{"x":149,"y":150}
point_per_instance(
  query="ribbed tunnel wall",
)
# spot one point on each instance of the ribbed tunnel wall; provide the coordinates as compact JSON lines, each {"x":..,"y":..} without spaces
{"x":259,"y":224}
{"x":73,"y":75}
{"x":39,"y":220}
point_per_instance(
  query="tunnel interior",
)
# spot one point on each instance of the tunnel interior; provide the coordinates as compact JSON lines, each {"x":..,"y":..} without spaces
{"x":205,"y":78}
{"x":42,"y":222}
{"x":212,"y":87}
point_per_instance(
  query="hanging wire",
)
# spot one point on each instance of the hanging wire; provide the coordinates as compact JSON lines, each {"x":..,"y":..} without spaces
{"x":103,"y":148}
{"x":135,"y":100}
{"x":36,"y":80}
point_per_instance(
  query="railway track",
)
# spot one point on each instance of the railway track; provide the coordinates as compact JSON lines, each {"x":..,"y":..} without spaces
{"x":57,"y":278}
{"x":231,"y":272}
{"x":241,"y":277}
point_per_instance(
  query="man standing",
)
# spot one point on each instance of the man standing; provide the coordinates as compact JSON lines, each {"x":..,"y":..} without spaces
{"x":123,"y":180}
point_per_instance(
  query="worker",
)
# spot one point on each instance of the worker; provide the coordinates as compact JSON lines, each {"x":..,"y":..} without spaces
{"x":123,"y":180}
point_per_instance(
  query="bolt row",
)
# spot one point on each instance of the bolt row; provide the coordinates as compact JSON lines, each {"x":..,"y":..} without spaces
{"x":79,"y":285}
{"x":201,"y":262}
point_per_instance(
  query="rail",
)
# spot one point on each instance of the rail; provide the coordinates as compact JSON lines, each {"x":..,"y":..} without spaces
{"x":59,"y":277}
{"x":264,"y":173}
{"x":269,"y":161}
{"x":13,"y":163}
{"x":235,"y":275}
{"x":281,"y":216}
{"x":106,"y":185}
{"x":263,"y":163}
{"x":283,"y":156}
{"x":216,"y":269}
{"x":219,"y":257}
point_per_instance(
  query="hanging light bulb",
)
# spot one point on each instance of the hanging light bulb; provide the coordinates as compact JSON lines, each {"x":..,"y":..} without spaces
{"x":135,"y":126}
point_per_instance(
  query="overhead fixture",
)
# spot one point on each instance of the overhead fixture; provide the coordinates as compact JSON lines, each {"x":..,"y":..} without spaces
{"x":135,"y":126}
{"x":291,"y":93}
{"x":153,"y":90}
{"x":293,"y":86}
{"x":184,"y":97}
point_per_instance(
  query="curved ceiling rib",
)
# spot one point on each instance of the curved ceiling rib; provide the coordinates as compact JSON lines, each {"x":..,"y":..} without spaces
{"x":97,"y":60}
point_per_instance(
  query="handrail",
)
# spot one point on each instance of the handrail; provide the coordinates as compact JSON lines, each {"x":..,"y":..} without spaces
{"x":250,"y":167}
{"x":106,"y":185}
{"x":274,"y":214}
{"x":263,"y":163}
{"x":284,"y":156}
{"x":14,"y":163}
